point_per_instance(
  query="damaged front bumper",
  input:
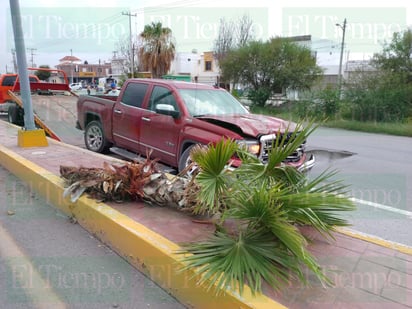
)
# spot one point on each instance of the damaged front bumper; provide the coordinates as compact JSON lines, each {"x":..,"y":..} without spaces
{"x":308,"y":163}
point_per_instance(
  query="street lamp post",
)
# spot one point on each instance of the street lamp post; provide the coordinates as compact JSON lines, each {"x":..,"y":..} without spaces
{"x":29,"y":136}
{"x":343,"y":27}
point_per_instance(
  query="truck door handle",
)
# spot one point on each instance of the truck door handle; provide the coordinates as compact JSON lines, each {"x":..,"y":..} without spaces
{"x":146,"y":119}
{"x":118,"y":111}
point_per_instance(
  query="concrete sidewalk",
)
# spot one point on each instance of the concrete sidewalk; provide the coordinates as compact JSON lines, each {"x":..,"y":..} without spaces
{"x":367,"y":272}
{"x":49,"y":262}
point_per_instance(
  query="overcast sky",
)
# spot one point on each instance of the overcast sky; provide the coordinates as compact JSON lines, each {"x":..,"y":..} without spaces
{"x":92,"y":29}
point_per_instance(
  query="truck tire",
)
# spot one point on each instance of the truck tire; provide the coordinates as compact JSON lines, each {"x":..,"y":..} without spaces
{"x":185,"y":161}
{"x":94,"y":138}
{"x":15,"y":115}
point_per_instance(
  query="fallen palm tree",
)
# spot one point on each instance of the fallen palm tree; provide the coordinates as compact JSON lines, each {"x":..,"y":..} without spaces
{"x":129,"y":181}
{"x":260,"y":208}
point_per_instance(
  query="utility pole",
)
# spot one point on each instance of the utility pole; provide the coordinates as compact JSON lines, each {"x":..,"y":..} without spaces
{"x":32,"y":54}
{"x":100,"y":71}
{"x":71,"y":66}
{"x":341,"y":55}
{"x":130,"y":41}
{"x":133,"y":60}
{"x":13,"y":52}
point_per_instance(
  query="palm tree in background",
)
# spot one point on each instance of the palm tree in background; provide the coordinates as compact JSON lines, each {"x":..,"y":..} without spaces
{"x":157,"y":49}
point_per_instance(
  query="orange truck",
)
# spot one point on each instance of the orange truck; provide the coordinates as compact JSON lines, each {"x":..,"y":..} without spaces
{"x":10,"y":84}
{"x":7,"y":82}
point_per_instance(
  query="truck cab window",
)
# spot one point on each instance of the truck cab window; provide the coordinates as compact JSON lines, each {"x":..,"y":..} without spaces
{"x":134,"y":94}
{"x":9,"y":80}
{"x":162,"y":95}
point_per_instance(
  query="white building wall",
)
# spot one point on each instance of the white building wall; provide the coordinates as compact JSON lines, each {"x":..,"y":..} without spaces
{"x":193,"y":64}
{"x":185,"y":64}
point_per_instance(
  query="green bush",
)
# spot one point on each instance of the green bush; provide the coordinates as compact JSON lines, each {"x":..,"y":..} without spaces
{"x":259,"y":96}
{"x":319,"y":105}
{"x":235,"y":93}
{"x":381,"y":97}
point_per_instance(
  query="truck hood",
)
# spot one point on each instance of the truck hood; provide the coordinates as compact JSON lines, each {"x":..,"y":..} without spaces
{"x":250,"y":124}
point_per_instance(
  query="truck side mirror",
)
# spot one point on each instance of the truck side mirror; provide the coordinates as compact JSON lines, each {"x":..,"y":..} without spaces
{"x":167,"y":109}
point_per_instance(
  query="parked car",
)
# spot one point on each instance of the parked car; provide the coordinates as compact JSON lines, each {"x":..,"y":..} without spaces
{"x":76,"y":86}
{"x":170,"y":117}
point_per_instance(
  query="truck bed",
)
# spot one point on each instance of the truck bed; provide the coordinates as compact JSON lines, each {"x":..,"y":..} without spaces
{"x":101,"y":105}
{"x":42,"y":87}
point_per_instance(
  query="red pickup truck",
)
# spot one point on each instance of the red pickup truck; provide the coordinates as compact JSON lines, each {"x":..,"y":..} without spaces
{"x":170,"y":117}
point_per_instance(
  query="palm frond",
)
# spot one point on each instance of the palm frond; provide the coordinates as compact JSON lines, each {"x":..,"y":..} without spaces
{"x":296,"y":243}
{"x":320,"y":207}
{"x":286,"y":143}
{"x":326,"y":182}
{"x":255,"y":205}
{"x":253,"y":172}
{"x":213,"y":178}
{"x":214,"y":158}
{"x":228,"y":261}
{"x":263,"y":209}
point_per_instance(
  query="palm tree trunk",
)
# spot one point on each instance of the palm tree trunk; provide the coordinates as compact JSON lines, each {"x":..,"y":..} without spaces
{"x":131,"y":181}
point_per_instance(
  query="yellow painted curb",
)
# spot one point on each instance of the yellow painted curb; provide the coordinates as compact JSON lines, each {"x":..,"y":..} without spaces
{"x":375,"y":240}
{"x":148,"y":251}
{"x":32,"y":138}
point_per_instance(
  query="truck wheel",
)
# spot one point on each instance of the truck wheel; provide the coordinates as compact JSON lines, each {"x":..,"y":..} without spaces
{"x":185,"y":161}
{"x":15,"y":115}
{"x":94,"y":138}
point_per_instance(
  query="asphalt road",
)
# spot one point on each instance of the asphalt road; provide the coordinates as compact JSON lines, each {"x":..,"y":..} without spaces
{"x":47,"y":261}
{"x":378,"y":170}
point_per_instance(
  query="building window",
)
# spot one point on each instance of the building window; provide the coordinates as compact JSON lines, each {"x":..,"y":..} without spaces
{"x":99,"y":70}
{"x":208,"y":65}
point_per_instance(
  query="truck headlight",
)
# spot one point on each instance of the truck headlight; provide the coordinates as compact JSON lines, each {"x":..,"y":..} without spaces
{"x":252,"y":147}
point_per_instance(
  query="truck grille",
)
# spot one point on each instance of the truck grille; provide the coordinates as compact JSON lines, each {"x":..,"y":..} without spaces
{"x":268,"y":142}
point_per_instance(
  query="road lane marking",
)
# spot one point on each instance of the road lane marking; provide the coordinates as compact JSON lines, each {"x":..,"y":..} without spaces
{"x":41,"y":293}
{"x":383,"y":207}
